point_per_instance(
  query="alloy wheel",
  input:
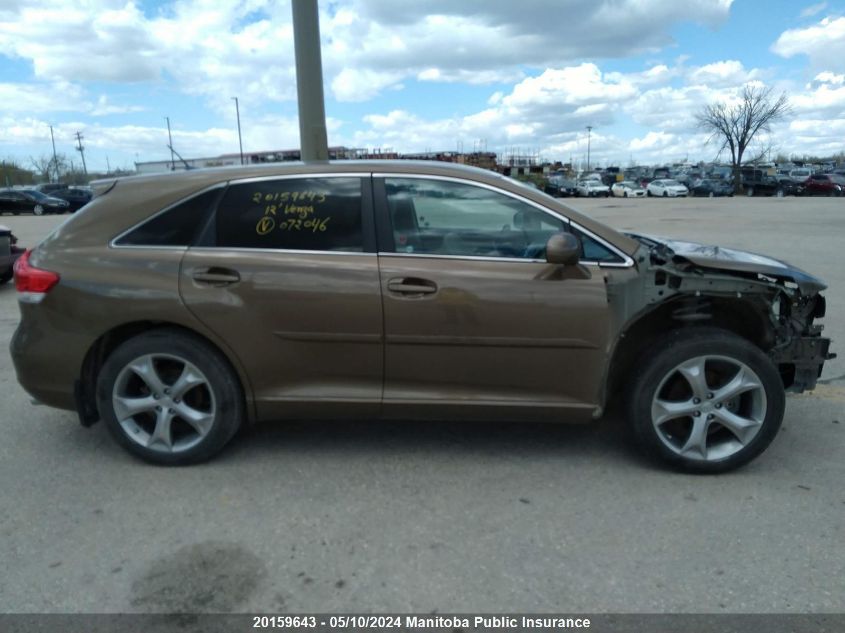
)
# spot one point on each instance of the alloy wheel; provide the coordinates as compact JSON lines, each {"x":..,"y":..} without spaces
{"x":709,"y":408}
{"x":164,"y":403}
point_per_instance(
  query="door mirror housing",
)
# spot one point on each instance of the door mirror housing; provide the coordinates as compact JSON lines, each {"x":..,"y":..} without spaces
{"x":563,"y":248}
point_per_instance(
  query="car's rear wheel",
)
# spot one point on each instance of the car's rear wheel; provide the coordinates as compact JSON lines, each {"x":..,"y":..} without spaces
{"x":169,"y":397}
{"x":711,"y":195}
{"x":708,"y":401}
{"x":749,"y":192}
{"x":779,"y":193}
{"x":665,"y":194}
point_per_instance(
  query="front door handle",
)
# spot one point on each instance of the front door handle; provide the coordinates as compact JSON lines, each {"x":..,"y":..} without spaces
{"x":216,"y":276}
{"x":411,"y":286}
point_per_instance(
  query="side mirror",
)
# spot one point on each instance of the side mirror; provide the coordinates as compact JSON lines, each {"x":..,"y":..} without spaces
{"x":563,"y":248}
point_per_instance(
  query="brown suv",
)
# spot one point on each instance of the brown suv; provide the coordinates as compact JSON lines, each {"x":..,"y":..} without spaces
{"x":178,"y":307}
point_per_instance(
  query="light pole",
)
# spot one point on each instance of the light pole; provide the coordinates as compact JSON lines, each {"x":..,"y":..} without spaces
{"x":240,"y":142}
{"x":55,"y":160}
{"x":170,"y":145}
{"x":81,"y":149}
{"x":589,"y":130}
{"x":309,"y":81}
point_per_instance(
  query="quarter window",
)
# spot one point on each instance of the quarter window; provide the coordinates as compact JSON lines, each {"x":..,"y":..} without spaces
{"x":449,"y":218}
{"x":319,"y":214}
{"x":176,"y":226}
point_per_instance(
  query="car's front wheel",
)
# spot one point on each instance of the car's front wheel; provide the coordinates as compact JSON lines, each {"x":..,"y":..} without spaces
{"x":708,"y":401}
{"x":38,"y":209}
{"x":169,"y":397}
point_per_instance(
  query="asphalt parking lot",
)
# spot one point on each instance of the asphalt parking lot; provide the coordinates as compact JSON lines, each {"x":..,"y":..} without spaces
{"x":413,"y":517}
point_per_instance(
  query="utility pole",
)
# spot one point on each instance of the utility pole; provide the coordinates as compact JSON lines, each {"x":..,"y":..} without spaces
{"x":240,"y":142}
{"x":589,"y":130}
{"x":170,"y":145}
{"x":309,"y":81}
{"x":81,"y":150}
{"x":55,"y":160}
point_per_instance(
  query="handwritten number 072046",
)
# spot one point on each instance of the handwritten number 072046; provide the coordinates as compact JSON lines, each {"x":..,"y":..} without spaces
{"x":312,"y":224}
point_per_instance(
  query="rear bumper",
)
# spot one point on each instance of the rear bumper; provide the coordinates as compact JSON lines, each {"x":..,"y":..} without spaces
{"x":42,"y":376}
{"x":7,"y":261}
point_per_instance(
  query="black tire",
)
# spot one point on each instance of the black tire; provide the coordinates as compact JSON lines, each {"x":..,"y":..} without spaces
{"x":665,"y":194}
{"x":222,"y":383}
{"x":6,"y":276}
{"x":655,"y":367}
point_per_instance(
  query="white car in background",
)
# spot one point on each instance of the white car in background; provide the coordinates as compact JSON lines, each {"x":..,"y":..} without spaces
{"x":666,"y":187}
{"x":627,"y":189}
{"x":592,"y":188}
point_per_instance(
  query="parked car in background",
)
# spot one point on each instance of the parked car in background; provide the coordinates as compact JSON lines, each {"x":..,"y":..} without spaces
{"x":627,"y":189}
{"x":824,"y":185}
{"x":18,"y":201}
{"x":800,"y":173}
{"x":48,"y":188}
{"x":592,"y":189}
{"x":179,"y":307}
{"x":75,"y":197}
{"x":9,"y":253}
{"x":712,"y":188}
{"x":666,"y":187}
{"x":764,"y":185}
{"x":560,"y":187}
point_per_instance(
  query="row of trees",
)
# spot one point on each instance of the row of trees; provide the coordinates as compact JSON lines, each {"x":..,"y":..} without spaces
{"x":44,"y":168}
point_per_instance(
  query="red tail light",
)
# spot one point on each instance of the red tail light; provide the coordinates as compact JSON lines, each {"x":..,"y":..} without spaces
{"x":33,"y":282}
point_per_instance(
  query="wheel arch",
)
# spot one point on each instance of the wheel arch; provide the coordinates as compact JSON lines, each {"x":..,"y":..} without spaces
{"x":745,"y":318}
{"x":102,"y":348}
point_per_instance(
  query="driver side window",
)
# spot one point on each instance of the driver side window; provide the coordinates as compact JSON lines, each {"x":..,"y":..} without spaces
{"x":448,"y":218}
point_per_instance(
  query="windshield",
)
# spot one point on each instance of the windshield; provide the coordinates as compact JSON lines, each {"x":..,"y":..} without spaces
{"x":671,"y":183}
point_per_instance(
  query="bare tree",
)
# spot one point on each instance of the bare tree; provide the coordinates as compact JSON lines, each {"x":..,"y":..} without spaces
{"x":735,"y":125}
{"x":45,"y":166}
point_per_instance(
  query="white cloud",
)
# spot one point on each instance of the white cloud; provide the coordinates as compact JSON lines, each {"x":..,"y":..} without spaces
{"x":813,"y":9}
{"x":723,"y":73}
{"x":823,"y":43}
{"x":352,"y":84}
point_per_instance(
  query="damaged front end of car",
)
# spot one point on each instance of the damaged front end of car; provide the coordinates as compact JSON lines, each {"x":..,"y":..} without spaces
{"x":683,"y":284}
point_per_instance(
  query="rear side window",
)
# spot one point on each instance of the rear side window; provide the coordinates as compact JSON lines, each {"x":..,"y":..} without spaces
{"x":313,"y":214}
{"x":176,"y":226}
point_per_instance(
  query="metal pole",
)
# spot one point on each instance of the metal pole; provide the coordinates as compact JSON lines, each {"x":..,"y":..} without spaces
{"x":309,"y":81}
{"x":589,"y":130}
{"x":170,"y":145}
{"x":81,"y":149}
{"x":240,"y":141}
{"x":55,"y":160}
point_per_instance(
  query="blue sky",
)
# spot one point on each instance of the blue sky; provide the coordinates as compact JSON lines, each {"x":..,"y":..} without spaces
{"x":413,"y":76}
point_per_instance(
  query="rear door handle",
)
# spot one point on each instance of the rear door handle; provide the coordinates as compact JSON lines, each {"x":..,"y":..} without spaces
{"x":216,"y":276}
{"x":411,"y":286}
